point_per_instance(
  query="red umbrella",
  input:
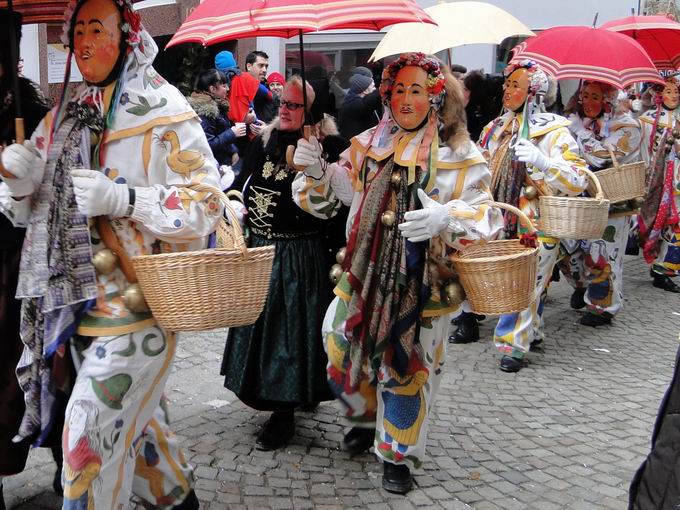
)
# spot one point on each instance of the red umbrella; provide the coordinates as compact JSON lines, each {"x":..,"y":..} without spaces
{"x":658,"y":35}
{"x":214,"y":21}
{"x":38,"y":11}
{"x":589,"y":54}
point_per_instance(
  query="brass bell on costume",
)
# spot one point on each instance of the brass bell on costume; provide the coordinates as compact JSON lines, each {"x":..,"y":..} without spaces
{"x":335,"y":274}
{"x":133,"y":298}
{"x":530,"y":192}
{"x":676,"y":133}
{"x":340,"y":256}
{"x":388,"y":218}
{"x":395,"y":179}
{"x":105,"y":261}
{"x":455,"y":293}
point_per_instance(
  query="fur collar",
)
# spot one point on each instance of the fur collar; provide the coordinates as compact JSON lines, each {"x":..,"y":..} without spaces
{"x":207,"y":106}
{"x":327,"y":127}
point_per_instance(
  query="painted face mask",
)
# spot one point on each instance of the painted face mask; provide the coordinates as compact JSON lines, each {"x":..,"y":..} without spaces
{"x":516,"y":89}
{"x":96,"y":39}
{"x":670,"y":95}
{"x":592,"y":100}
{"x":410,"y":102}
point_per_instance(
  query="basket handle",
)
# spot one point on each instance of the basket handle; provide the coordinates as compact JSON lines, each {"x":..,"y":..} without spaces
{"x":231,"y":214}
{"x":523,"y":218}
{"x":599,"y":195}
{"x":615,"y":161}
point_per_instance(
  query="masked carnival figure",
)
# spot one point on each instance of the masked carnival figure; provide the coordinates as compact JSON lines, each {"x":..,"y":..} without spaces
{"x":595,"y":268}
{"x":418,"y":190}
{"x":658,"y":221}
{"x":530,"y":153}
{"x":106,"y":176}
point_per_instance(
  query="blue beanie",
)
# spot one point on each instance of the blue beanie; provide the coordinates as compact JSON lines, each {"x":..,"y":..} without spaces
{"x":225,"y":60}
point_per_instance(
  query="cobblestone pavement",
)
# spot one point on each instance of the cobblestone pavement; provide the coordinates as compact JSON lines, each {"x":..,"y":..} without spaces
{"x":566,"y":432}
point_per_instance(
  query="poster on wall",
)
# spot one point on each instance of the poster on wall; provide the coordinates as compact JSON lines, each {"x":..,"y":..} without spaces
{"x":56,"y":65}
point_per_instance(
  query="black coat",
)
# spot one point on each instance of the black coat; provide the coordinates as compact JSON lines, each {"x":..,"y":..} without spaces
{"x":656,"y":484}
{"x":359,"y":113}
{"x":216,"y":126}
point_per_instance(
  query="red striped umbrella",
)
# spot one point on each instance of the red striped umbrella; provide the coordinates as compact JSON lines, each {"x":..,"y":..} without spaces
{"x":658,"y":35}
{"x":589,"y":54}
{"x":214,"y":21}
{"x":38,"y":11}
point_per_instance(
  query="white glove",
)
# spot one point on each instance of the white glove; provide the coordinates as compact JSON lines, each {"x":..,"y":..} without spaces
{"x":24,"y":162}
{"x":308,"y":154}
{"x":227,"y":177}
{"x":97,"y":195}
{"x":427,"y":222}
{"x":529,"y":153}
{"x":239,"y":209}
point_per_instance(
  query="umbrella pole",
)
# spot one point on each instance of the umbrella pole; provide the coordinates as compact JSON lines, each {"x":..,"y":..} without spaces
{"x":19,"y":133}
{"x":302,"y":74}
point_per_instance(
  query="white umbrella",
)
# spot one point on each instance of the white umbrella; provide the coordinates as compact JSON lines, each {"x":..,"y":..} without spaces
{"x":458,"y":24}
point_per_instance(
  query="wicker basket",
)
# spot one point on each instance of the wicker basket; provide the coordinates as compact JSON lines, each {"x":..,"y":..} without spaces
{"x":574,"y":217}
{"x":207,"y":289}
{"x":621,"y":182}
{"x":499,"y":276}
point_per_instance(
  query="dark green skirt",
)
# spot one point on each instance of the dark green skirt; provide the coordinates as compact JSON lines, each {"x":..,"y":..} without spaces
{"x":279,"y":362}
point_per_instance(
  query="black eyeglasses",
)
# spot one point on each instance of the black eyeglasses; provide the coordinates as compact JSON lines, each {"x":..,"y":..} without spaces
{"x":291,"y":106}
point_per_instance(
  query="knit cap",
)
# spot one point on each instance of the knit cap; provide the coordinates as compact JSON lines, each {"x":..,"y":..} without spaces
{"x":276,"y":78}
{"x":365,"y":71}
{"x":224,"y":60}
{"x":359,"y":82}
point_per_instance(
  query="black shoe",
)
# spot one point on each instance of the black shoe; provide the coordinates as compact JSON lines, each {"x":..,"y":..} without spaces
{"x":596,"y":319}
{"x":359,"y":439}
{"x":467,"y":330}
{"x":510,"y":364}
{"x":57,"y":455}
{"x":277,"y":431}
{"x":536,"y":344}
{"x":665,"y":282}
{"x":576,"y":301}
{"x":309,"y":407}
{"x":397,"y":478}
{"x":189,"y":503}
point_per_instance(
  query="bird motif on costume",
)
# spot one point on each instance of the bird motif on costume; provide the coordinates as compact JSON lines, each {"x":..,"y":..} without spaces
{"x":181,"y":161}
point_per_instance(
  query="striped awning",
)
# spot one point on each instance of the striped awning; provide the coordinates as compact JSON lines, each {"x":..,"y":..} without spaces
{"x":39,"y":11}
{"x":586,"y":53}
{"x":214,"y":21}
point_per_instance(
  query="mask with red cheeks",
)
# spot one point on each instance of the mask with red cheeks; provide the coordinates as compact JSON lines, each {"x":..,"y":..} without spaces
{"x":670,"y":95}
{"x":592,"y":100}
{"x":516,"y":89}
{"x":410,"y":102}
{"x":96,"y":39}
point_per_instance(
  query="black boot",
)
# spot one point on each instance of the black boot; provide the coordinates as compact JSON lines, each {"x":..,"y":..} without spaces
{"x":189,"y":503}
{"x":467,"y":330}
{"x":58,"y":456}
{"x":277,"y":431}
{"x":577,"y":300}
{"x":595,"y":319}
{"x":664,"y":282}
{"x":359,"y":439}
{"x":511,"y":364}
{"x":396,"y":478}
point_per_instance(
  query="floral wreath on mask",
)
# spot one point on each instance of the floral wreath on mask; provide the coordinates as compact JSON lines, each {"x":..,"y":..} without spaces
{"x":538,"y":80}
{"x":435,"y":77}
{"x":130,"y":26}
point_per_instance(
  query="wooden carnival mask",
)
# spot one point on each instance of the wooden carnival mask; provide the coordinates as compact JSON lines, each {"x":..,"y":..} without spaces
{"x":670,"y":96}
{"x":516,"y":89}
{"x":592,"y":100}
{"x":96,"y":39}
{"x":410,"y":101}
